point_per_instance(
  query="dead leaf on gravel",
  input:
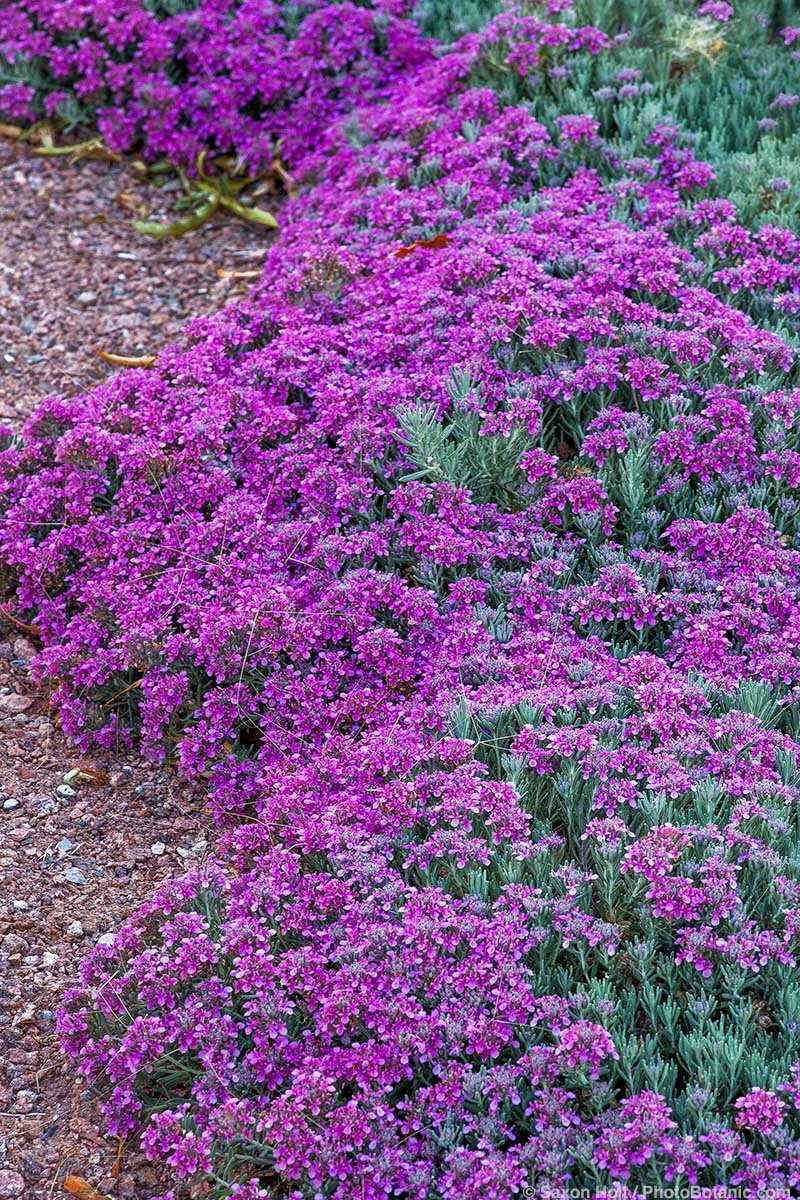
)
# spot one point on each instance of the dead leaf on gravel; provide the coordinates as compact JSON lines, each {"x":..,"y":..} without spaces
{"x":76,"y":1186}
{"x":93,"y":148}
{"x":10,"y":131}
{"x":182,"y":225}
{"x":132,"y":204}
{"x":42,"y":132}
{"x":116,"y":1170}
{"x":87,"y":774}
{"x":125,"y":360}
{"x":98,"y":778}
{"x":223,"y":274}
{"x":249,"y":212}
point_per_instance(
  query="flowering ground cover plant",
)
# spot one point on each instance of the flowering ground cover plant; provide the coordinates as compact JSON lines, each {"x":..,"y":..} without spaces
{"x":461,"y":563}
{"x":182,"y":77}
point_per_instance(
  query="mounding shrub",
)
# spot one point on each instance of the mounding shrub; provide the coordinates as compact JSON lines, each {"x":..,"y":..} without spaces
{"x":174,"y":79}
{"x":461,"y":563}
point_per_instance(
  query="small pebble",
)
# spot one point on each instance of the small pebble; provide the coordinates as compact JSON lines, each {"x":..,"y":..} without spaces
{"x":74,"y":875}
{"x":26,"y":1016}
{"x":75,"y":929}
{"x":65,"y":791}
{"x":158,"y":848}
{"x":64,"y":846}
{"x":49,"y":959}
{"x":8,"y":805}
{"x":20,"y":905}
{"x":11,"y":1184}
{"x":105,"y":939}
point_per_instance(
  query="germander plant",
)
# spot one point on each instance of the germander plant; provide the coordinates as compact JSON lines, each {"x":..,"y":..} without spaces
{"x":177,"y":78}
{"x":461,"y":564}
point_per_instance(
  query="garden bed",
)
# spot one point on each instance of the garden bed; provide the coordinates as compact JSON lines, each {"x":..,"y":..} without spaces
{"x":459,"y":565}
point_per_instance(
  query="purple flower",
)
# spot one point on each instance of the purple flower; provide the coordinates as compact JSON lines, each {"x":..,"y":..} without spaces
{"x":760,"y":1111}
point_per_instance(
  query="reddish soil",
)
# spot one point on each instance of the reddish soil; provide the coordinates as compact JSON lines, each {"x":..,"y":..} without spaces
{"x":75,"y":860}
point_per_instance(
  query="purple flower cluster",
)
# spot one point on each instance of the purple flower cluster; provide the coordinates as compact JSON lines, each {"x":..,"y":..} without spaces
{"x":466,"y":579}
{"x":244,"y":78}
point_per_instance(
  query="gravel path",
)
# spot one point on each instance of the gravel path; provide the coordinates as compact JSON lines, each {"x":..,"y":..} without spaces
{"x":74,"y":860}
{"x":76,"y":277}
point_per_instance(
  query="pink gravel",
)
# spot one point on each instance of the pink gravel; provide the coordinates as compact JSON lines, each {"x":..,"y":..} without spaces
{"x":75,"y":276}
{"x":76,"y":858}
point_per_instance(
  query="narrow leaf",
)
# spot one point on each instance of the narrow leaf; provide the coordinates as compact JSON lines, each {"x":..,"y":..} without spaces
{"x":124,"y":360}
{"x":259,"y":215}
{"x":183,"y":225}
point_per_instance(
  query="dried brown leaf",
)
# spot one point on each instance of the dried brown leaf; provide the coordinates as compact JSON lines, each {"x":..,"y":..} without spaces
{"x":76,"y":1186}
{"x":116,"y":1170}
{"x":132,"y":204}
{"x":34,"y":629}
{"x":435,"y":243}
{"x":94,"y":148}
{"x":125,"y":360}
